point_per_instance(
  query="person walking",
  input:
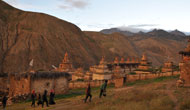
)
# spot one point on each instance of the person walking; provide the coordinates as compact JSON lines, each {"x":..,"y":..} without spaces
{"x":39,"y":99}
{"x":33,"y":97}
{"x":103,"y":89}
{"x":4,"y":101}
{"x":45,"y":99}
{"x":51,"y":98}
{"x":88,"y":93}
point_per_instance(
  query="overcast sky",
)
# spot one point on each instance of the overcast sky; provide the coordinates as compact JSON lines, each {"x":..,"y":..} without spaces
{"x":95,"y":15}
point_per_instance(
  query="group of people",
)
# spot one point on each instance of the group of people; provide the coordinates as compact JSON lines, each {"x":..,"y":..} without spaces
{"x":43,"y":99}
{"x":4,"y":101}
{"x":102,"y":91}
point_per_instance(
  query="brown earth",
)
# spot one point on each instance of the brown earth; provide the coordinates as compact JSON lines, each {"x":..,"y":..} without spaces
{"x":26,"y":35}
{"x":158,"y":48}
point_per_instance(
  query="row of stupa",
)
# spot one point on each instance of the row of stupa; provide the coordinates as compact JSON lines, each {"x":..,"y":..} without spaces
{"x":106,"y":70}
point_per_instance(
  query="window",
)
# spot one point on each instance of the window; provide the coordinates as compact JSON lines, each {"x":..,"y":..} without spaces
{"x":47,"y":84}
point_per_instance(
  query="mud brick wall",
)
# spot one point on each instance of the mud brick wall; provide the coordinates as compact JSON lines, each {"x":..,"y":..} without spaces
{"x":4,"y":85}
{"x":19,"y":86}
{"x":130,"y":78}
{"x":119,"y":82}
{"x":83,"y":84}
{"x":59,"y":85}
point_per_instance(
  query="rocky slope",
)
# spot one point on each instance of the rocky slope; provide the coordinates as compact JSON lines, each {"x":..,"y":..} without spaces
{"x":158,"y":45}
{"x":45,"y":39}
{"x":114,"y":30}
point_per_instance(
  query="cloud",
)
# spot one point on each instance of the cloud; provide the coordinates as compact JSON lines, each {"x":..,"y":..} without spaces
{"x":138,"y":27}
{"x":143,"y":25}
{"x":12,"y":2}
{"x":20,"y":5}
{"x":73,"y":4}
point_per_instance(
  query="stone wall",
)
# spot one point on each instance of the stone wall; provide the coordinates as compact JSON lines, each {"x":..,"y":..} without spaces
{"x":129,"y":78}
{"x":59,"y":85}
{"x":84,"y":84}
{"x":23,"y":84}
{"x":97,"y":76}
{"x":3,"y":85}
{"x":119,"y":82}
{"x":185,"y":73}
{"x":19,"y":85}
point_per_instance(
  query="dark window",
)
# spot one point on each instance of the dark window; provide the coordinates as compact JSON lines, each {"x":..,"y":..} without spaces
{"x":47,"y":84}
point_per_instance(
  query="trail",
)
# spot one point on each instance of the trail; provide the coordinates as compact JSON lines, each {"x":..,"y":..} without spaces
{"x":170,"y":92}
{"x":77,"y":103}
{"x":171,"y":95}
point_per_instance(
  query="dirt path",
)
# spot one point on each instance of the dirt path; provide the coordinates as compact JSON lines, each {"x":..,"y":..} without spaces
{"x":123,"y":89}
{"x":171,"y":95}
{"x":77,"y":103}
{"x":170,"y":92}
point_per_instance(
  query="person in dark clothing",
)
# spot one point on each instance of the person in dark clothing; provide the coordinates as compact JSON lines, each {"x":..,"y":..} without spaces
{"x":103,"y":89}
{"x":39,"y":100}
{"x":51,"y":98}
{"x":4,"y":101}
{"x":45,"y":99}
{"x":33,"y":97}
{"x":88,"y":93}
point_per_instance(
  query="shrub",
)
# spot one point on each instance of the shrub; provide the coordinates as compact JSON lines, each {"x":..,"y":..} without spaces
{"x":185,"y":105}
{"x":132,"y":73}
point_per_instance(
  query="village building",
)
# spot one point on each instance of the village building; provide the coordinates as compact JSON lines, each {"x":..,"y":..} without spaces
{"x":4,"y":84}
{"x":118,"y":72}
{"x":66,"y":65}
{"x":144,"y":66}
{"x":168,"y":67}
{"x":125,"y":66}
{"x":88,"y":76}
{"x":122,"y":60}
{"x":116,"y":61}
{"x":185,"y":65}
{"x":101,"y":71}
{"x":23,"y":84}
{"x":78,"y":74}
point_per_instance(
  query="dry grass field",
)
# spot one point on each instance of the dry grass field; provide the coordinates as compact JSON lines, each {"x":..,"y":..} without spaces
{"x":154,"y":94}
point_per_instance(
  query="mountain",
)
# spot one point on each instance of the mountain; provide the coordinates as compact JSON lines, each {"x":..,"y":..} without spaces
{"x":116,"y":43}
{"x":158,"y":45}
{"x":127,"y":32}
{"x":45,"y":39}
{"x":113,"y":30}
{"x":177,"y":33}
{"x":27,"y":36}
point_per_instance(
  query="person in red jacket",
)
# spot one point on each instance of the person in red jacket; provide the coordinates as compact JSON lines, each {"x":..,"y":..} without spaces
{"x":33,"y":97}
{"x":88,"y":93}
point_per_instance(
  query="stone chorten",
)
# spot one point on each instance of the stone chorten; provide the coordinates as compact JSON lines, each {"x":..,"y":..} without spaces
{"x":168,"y":67}
{"x":78,"y":74}
{"x":185,"y":66}
{"x":144,"y":64}
{"x":66,"y":65}
{"x":101,"y":71}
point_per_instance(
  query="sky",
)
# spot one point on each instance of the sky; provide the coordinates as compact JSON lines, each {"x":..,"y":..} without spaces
{"x":95,"y":15}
